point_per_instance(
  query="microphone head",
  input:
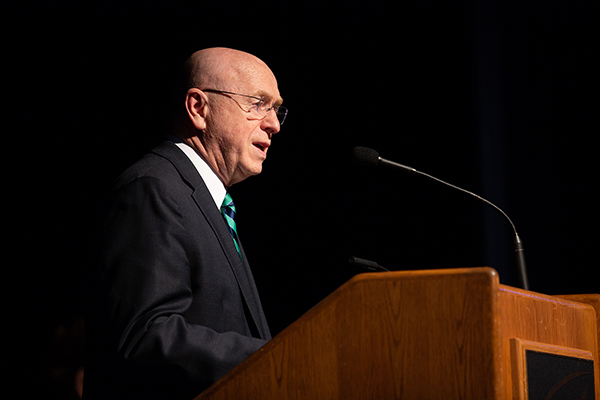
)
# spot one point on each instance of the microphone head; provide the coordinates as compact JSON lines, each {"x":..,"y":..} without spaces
{"x":366,"y":155}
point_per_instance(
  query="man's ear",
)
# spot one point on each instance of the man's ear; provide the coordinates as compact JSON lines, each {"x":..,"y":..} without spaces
{"x":196,"y":105}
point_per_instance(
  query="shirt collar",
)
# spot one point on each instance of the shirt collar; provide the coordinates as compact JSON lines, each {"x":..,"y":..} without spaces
{"x":210,"y":178}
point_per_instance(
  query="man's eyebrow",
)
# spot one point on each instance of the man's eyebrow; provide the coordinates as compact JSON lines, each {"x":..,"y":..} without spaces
{"x":267,"y":96}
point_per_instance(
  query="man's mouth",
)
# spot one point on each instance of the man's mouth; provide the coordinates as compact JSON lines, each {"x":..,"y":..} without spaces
{"x":262,"y":146}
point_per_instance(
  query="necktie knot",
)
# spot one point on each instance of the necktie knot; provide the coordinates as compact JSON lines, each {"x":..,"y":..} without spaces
{"x":228,"y":208}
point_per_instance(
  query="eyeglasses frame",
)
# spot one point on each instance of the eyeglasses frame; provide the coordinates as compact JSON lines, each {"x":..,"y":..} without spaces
{"x":277,"y":109}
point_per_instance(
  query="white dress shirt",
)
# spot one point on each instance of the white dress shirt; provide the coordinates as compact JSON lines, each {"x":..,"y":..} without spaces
{"x":212,"y":181}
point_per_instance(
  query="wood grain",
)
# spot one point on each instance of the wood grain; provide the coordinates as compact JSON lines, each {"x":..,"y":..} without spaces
{"x":545,"y":319}
{"x":410,"y":335}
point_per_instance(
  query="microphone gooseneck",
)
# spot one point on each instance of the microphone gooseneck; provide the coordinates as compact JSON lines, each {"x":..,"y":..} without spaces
{"x":370,"y":156}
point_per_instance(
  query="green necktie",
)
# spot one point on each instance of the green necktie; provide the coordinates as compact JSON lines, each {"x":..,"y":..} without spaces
{"x":228,"y":211}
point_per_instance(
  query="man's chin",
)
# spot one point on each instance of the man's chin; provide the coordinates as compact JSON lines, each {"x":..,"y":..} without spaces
{"x":246,"y":173}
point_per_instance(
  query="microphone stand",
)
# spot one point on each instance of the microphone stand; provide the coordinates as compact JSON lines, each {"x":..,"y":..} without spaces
{"x":370,"y":156}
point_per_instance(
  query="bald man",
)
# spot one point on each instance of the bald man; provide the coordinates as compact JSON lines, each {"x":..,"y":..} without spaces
{"x":177,"y":306}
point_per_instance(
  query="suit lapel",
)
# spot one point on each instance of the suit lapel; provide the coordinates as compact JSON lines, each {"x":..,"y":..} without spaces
{"x":251,"y":296}
{"x":205,"y":203}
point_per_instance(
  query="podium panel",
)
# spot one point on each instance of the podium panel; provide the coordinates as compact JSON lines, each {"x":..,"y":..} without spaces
{"x":542,"y":371}
{"x":411,"y":335}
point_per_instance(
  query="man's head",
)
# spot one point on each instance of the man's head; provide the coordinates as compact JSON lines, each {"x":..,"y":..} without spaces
{"x":224,"y":122}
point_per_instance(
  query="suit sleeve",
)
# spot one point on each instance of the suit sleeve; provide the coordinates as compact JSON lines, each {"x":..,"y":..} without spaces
{"x":148,"y":279}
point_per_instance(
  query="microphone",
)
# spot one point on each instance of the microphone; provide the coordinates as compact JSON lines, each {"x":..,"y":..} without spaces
{"x":370,"y":156}
{"x":366,"y":264}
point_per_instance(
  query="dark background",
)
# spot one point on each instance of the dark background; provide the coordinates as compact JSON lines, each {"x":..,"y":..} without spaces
{"x":498,"y":97}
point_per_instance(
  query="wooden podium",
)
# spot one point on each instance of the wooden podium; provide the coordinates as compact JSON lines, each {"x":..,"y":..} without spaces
{"x":433,"y":334}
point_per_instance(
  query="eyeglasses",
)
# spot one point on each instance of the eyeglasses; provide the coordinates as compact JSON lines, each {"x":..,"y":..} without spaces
{"x":260,"y":107}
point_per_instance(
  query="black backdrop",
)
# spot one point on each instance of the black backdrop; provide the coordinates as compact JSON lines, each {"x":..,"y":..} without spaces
{"x":499,"y":97}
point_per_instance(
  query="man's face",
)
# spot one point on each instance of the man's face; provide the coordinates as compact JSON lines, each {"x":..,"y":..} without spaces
{"x":239,"y":138}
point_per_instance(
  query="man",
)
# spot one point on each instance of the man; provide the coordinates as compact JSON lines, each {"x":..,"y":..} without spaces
{"x":178,"y":307}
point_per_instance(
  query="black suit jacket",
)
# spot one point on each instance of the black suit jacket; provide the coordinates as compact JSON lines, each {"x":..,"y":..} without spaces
{"x":175,"y":306}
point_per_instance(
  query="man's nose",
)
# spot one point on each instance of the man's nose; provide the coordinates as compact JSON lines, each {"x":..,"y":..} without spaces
{"x":270,"y":123}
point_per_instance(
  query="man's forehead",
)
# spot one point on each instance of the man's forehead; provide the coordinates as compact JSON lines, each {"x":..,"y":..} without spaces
{"x":252,"y":77}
